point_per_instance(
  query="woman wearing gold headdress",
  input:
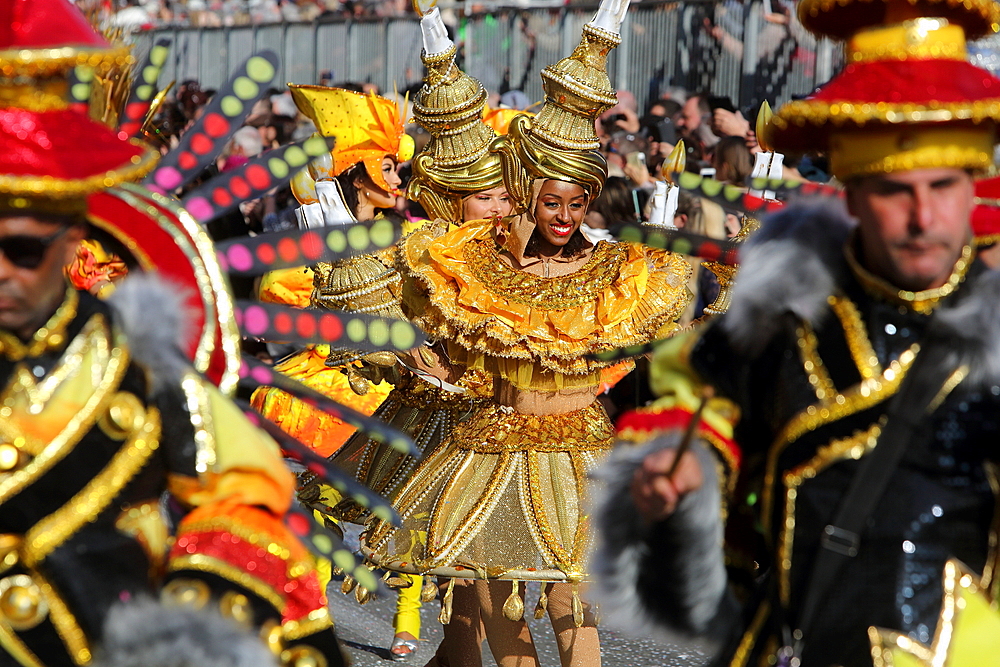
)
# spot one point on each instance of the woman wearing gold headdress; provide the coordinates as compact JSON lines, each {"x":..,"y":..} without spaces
{"x":456,"y":178}
{"x":357,"y":183}
{"x":526,"y":301}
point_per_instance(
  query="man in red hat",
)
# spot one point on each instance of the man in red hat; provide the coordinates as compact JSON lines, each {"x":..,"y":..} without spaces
{"x":859,"y":365}
{"x":102,"y":415}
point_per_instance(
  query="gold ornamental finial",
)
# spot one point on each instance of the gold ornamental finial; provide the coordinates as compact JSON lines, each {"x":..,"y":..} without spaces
{"x":763,"y":123}
{"x":456,"y":162}
{"x":676,"y":162}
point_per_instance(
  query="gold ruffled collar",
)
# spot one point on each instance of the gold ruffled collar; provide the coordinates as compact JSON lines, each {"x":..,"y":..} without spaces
{"x":924,"y":301}
{"x":51,"y":336}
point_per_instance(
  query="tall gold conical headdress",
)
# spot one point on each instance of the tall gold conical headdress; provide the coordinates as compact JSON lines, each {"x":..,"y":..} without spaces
{"x":560,"y":142}
{"x":456,"y":162}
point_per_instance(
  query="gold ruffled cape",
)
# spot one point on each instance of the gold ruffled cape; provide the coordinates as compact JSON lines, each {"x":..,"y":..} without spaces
{"x":457,"y":288}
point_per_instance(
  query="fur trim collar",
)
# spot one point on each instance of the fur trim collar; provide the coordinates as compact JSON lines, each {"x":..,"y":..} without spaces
{"x":791,"y":265}
{"x":156,"y":321}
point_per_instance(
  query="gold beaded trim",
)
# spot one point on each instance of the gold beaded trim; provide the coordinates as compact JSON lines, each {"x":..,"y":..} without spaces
{"x":856,"y":333}
{"x":47,"y":62}
{"x":813,"y":365}
{"x":204,"y":563}
{"x":52,"y":531}
{"x":853,"y":447}
{"x":51,"y":336}
{"x":923,"y":302}
{"x":862,"y":396}
{"x":254,"y":537}
{"x":559,"y":293}
{"x":820,"y":112}
{"x":317,"y":621}
{"x":58,"y":188}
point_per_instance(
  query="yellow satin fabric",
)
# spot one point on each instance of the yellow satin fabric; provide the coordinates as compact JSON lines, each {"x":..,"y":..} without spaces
{"x":450,"y":302}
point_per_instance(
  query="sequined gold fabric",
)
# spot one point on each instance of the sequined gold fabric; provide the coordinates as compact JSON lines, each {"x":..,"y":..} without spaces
{"x":424,"y":412}
{"x":505,"y":497}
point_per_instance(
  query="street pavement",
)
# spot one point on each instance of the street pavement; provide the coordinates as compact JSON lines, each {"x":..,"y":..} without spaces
{"x":366,"y":631}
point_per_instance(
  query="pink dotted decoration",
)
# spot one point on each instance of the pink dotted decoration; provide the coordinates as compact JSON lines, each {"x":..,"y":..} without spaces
{"x":256,"y":320}
{"x":223,"y":262}
{"x":240,"y":258}
{"x":168,"y":178}
{"x":199,"y":208}
{"x":261,"y":375}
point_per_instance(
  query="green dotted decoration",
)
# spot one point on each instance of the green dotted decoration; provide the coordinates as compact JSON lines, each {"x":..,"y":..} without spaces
{"x":84,"y":74}
{"x":144,"y":92}
{"x":378,"y":333}
{"x":158,"y":55}
{"x":231,"y":106}
{"x":403,"y":336}
{"x":400,"y":445}
{"x":358,"y":237}
{"x":356,"y":330}
{"x":383,"y":512}
{"x":260,"y":70}
{"x":323,"y":543}
{"x":244,"y":88}
{"x":630,"y":234}
{"x":295,"y":156}
{"x":278,"y":167}
{"x":344,"y":559}
{"x":336,"y":241}
{"x":382,"y":234}
{"x":682,"y":246}
{"x":80,"y":92}
{"x":656,"y":240}
{"x":377,"y":437}
{"x":361,"y":500}
{"x":365,"y":578}
{"x":711,"y":187}
{"x":150,"y":74}
{"x":315,"y":146}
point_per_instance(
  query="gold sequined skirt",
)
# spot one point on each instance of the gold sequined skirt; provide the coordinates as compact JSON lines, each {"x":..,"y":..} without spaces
{"x":423,"y":411}
{"x":504,"y":498}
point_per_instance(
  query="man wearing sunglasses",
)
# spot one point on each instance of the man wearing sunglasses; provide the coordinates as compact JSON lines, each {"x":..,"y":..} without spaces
{"x":126,"y":477}
{"x":33,"y":251}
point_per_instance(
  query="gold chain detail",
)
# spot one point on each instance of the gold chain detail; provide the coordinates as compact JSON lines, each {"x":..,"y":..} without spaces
{"x":56,"y":528}
{"x":200,"y":407}
{"x":560,"y":293}
{"x":65,"y":623}
{"x":50,"y":337}
{"x":924,"y":301}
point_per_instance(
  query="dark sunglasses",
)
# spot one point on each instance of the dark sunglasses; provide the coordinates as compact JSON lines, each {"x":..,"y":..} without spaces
{"x":28,"y":252}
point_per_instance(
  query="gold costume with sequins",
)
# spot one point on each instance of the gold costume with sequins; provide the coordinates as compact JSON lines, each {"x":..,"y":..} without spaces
{"x":504,"y":498}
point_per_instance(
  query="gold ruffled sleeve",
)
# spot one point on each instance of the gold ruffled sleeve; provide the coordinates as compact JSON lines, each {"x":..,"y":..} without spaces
{"x":291,"y":287}
{"x":458,"y":288}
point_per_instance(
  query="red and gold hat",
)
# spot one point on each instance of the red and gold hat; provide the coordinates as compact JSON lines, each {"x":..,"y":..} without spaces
{"x":51,"y":158}
{"x":908,"y":99}
{"x":40,"y":38}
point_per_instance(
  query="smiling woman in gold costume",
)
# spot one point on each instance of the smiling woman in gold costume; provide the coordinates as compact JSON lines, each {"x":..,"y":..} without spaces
{"x":526,"y":299}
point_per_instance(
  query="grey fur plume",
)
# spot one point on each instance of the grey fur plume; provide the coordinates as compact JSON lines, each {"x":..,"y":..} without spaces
{"x":970,"y":331}
{"x":790,"y":265}
{"x":144,"y":633}
{"x":668,"y":580}
{"x":156,"y":320}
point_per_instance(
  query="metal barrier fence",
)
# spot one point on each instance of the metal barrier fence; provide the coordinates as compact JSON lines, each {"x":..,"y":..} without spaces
{"x":730,"y":47}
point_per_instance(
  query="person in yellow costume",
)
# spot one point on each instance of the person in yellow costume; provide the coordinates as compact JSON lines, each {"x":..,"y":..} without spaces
{"x":357,"y":183}
{"x":526,"y":299}
{"x":456,"y":178}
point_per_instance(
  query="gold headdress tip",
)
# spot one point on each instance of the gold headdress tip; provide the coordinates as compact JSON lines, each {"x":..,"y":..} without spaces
{"x":676,"y":162}
{"x":763,"y":123}
{"x":968,"y":628}
{"x":51,"y":62}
